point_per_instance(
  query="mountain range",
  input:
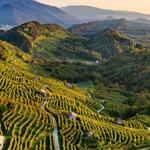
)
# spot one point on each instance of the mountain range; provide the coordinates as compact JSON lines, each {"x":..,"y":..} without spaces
{"x":14,"y":12}
{"x":88,"y":13}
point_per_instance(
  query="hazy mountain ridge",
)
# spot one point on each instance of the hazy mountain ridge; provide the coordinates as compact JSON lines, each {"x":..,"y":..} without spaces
{"x":17,"y":12}
{"x":88,"y":13}
{"x":121,"y":25}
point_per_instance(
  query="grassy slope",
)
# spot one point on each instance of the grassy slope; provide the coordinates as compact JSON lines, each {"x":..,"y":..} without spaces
{"x":60,"y":101}
{"x":25,"y":79}
{"x":47,"y":42}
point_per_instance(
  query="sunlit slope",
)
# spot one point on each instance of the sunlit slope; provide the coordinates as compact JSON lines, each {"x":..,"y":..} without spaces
{"x":10,"y":53}
{"x":46,"y":42}
{"x":30,"y":104}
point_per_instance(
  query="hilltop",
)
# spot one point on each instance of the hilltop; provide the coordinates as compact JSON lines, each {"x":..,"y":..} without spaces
{"x":26,"y":34}
{"x":45,"y":41}
{"x":135,"y":30}
{"x":110,"y":42}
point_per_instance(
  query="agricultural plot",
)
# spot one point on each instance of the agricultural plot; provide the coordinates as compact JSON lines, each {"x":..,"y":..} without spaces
{"x":31,"y":106}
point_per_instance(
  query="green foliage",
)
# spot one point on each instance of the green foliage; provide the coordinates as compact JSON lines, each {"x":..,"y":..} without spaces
{"x":132,"y":71}
{"x":7,"y":51}
{"x":109,"y":43}
{"x":31,"y":101}
{"x":95,"y":55}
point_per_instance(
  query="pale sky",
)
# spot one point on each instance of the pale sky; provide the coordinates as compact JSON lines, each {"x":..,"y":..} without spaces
{"x":130,"y":5}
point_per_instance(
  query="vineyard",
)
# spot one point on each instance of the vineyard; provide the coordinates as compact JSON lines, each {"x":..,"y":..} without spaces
{"x":33,"y":106}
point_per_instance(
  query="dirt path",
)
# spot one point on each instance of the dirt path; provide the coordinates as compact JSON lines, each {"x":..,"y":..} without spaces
{"x":102,"y":107}
{"x":55,"y":134}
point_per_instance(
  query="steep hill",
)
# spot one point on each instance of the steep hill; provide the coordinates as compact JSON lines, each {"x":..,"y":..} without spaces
{"x":25,"y":35}
{"x":51,"y":41}
{"x":9,"y":53}
{"x":109,"y":43}
{"x":38,"y":112}
{"x":15,"y":12}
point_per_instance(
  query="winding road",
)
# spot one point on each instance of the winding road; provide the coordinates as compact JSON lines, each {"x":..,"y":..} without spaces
{"x":55,"y":132}
{"x":102,"y":106}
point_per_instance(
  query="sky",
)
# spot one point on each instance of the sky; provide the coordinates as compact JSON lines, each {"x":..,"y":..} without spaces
{"x":142,"y":6}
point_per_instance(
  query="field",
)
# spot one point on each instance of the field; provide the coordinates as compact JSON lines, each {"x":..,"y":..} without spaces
{"x":32,"y":105}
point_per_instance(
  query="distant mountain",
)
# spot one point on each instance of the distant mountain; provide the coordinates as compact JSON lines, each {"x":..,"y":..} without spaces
{"x":142,"y":20}
{"x":121,"y":25}
{"x":110,"y":18}
{"x":88,"y":13}
{"x":15,"y":12}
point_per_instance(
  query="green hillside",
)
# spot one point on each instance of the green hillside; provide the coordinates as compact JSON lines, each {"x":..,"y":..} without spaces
{"x":9,"y":53}
{"x":109,"y":43}
{"x":26,"y":123}
{"x":49,"y":41}
{"x":55,"y":95}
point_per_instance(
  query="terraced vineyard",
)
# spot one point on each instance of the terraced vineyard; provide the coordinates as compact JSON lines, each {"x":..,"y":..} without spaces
{"x":31,"y":105}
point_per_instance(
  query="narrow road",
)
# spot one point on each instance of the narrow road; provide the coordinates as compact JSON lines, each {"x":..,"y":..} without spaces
{"x":102,"y":107}
{"x":45,"y":102}
{"x":89,"y":95}
{"x":55,"y":132}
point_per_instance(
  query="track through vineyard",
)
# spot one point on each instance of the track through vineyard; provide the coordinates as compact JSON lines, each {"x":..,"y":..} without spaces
{"x":37,"y":114}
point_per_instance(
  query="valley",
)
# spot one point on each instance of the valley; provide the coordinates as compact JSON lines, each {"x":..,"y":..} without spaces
{"x":42,"y":106}
{"x":73,"y":78}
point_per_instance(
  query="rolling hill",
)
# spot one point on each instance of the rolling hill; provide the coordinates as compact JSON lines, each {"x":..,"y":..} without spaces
{"x":53,"y":41}
{"x":121,"y":25}
{"x":45,"y":41}
{"x":109,"y":43}
{"x":43,"y":105}
{"x":40,"y":112}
